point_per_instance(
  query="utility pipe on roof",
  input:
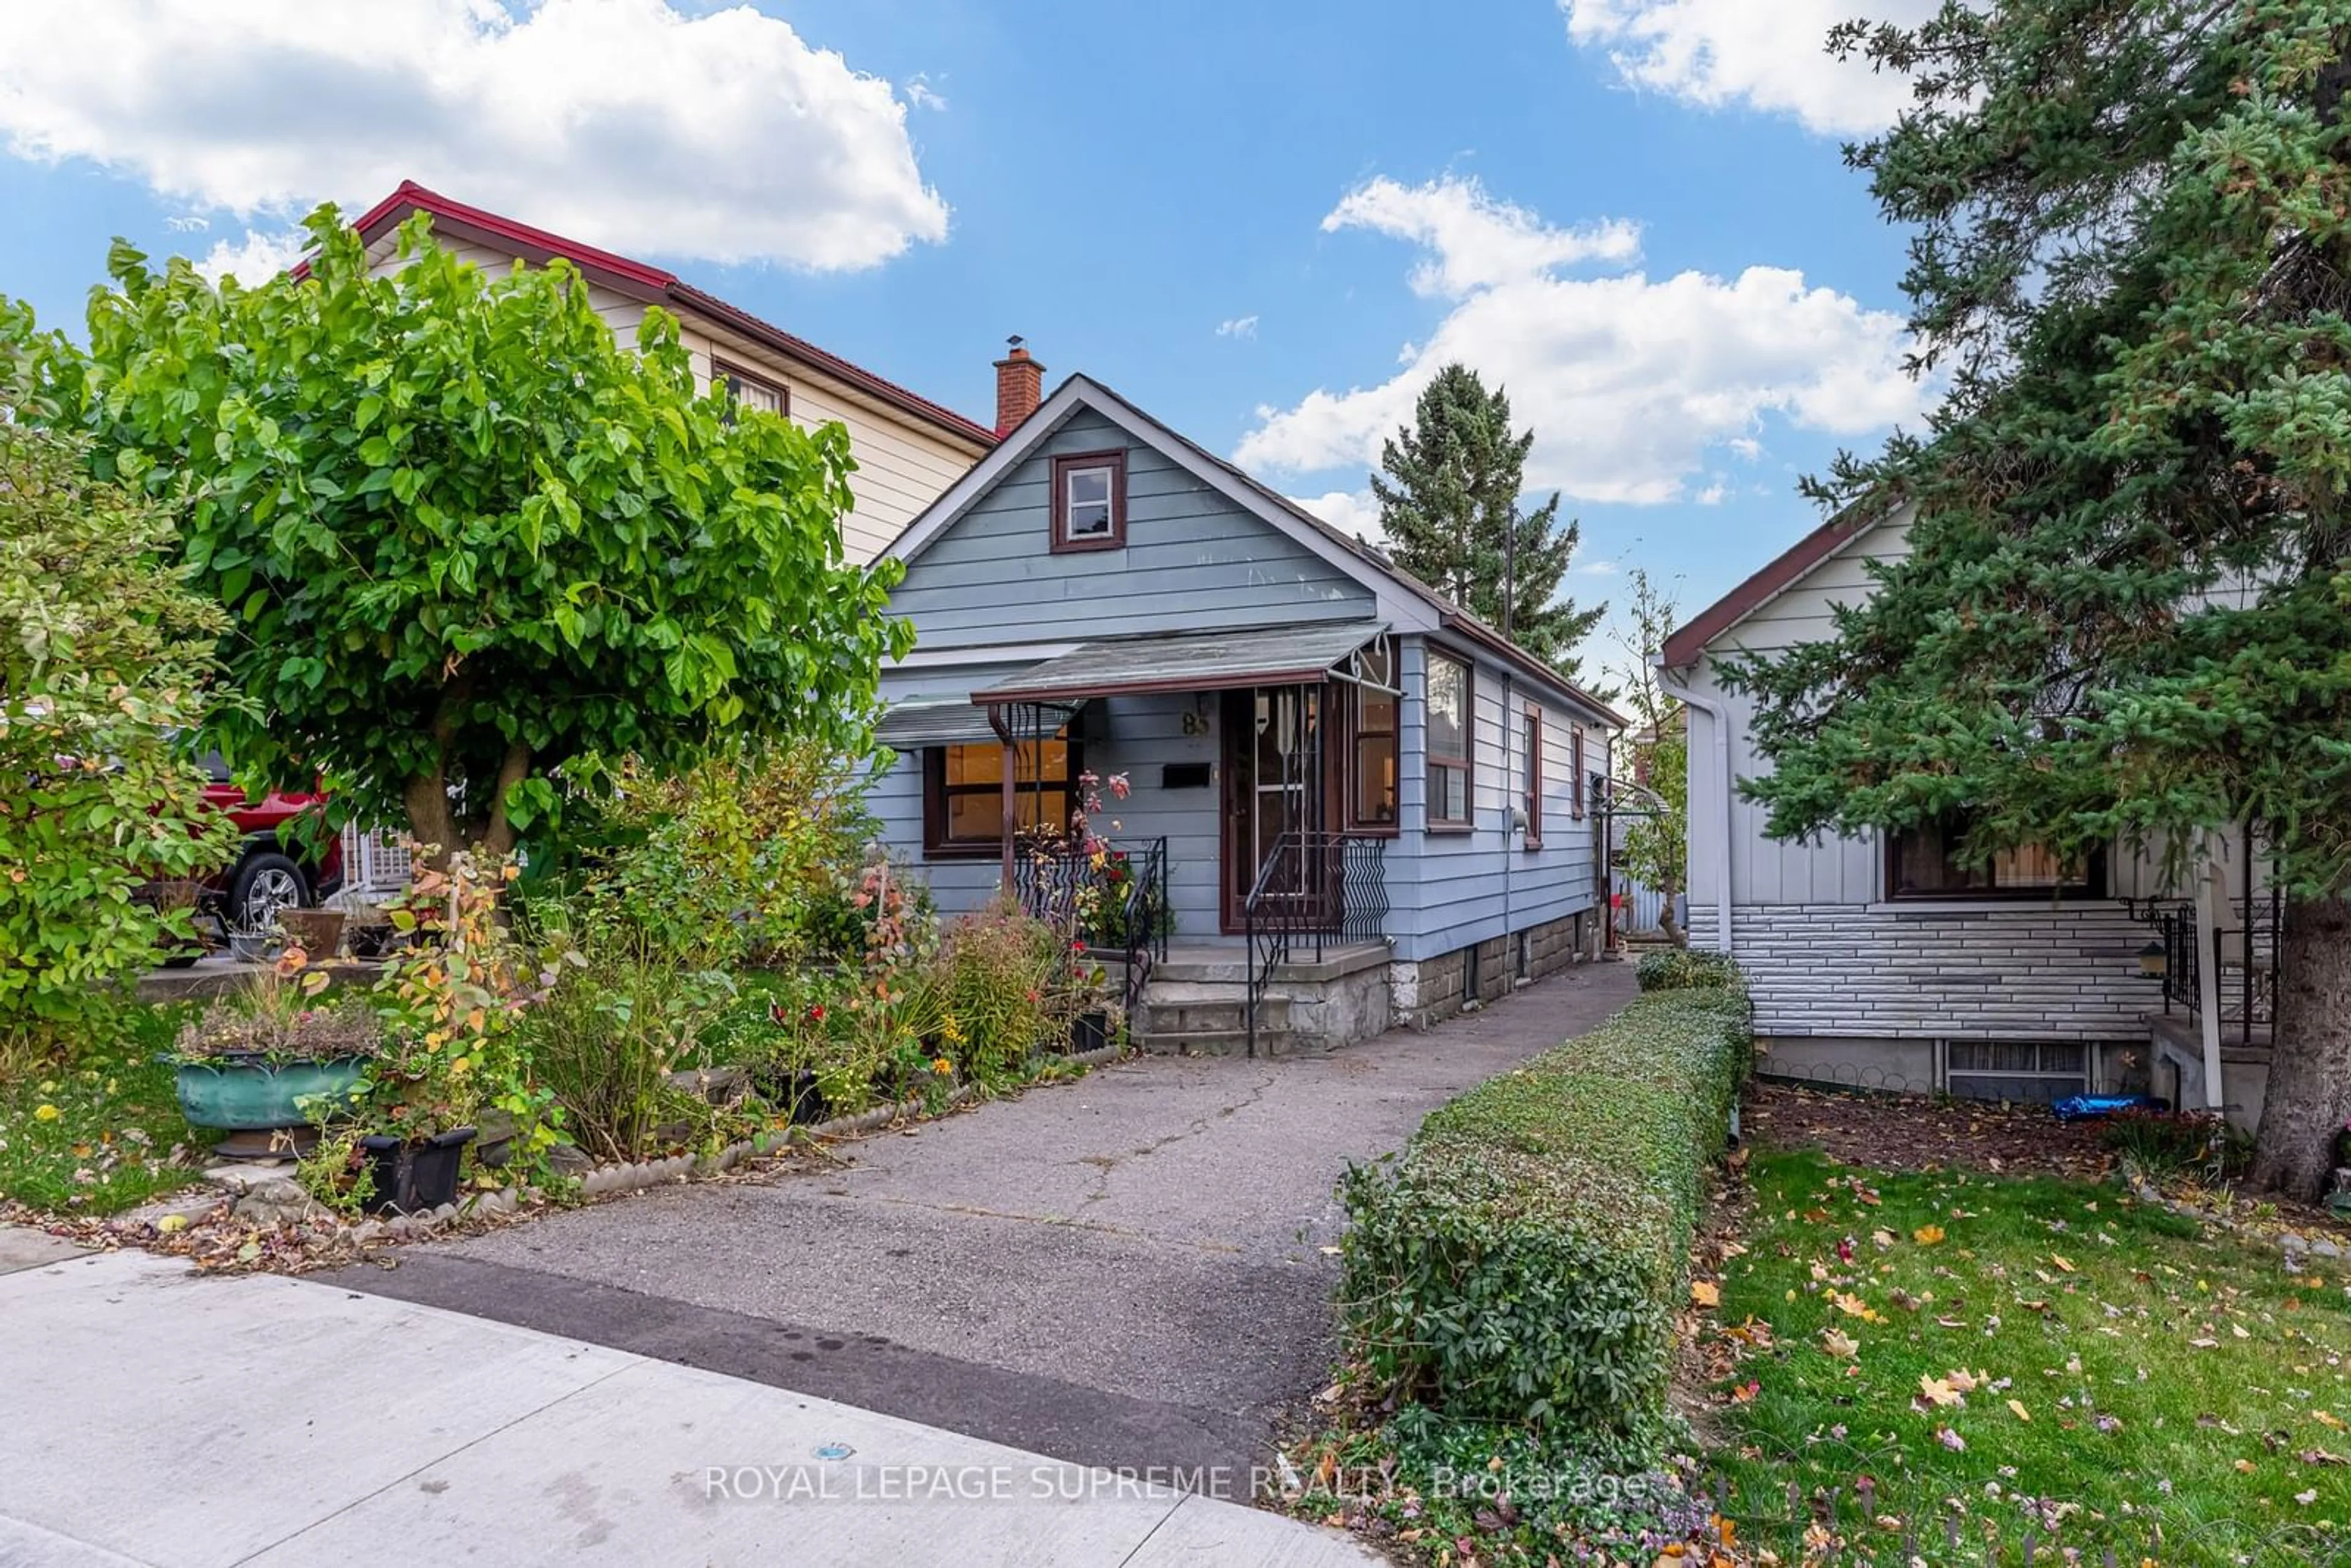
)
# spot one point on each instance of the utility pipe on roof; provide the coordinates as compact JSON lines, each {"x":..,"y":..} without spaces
{"x":1719,"y":713}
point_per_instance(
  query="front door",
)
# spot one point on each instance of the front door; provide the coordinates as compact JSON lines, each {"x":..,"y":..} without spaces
{"x":1275,"y":783}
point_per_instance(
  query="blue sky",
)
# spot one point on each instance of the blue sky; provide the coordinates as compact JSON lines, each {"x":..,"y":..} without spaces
{"x":1632,"y":213}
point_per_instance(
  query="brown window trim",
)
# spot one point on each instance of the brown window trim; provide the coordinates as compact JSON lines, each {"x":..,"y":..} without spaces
{"x":1430,"y":760}
{"x":1532,"y":730}
{"x":1115,"y":461}
{"x":936,"y":845}
{"x":2093,"y":885}
{"x":1350,"y":733}
{"x":726,"y":370}
{"x":1575,"y":802}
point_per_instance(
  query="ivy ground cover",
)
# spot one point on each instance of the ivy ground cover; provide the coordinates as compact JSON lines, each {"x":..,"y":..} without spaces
{"x":1949,"y":1366}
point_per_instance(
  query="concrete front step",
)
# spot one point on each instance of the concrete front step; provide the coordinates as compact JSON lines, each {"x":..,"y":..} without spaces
{"x":1204,"y":1016}
{"x":1230,"y":966}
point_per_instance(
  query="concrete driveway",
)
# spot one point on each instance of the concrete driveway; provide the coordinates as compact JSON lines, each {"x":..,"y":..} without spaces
{"x":1128,"y":1271}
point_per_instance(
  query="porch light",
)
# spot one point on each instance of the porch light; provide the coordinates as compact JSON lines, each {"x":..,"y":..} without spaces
{"x":2152,"y":962}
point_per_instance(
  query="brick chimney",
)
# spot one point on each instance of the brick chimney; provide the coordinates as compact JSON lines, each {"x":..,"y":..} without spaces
{"x":1019,"y":387}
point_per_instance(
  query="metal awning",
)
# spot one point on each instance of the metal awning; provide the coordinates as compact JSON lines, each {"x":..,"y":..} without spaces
{"x":947,"y":719}
{"x":1185,"y":662}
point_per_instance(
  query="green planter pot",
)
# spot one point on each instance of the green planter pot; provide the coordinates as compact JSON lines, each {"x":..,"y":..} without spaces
{"x":252,"y":1094}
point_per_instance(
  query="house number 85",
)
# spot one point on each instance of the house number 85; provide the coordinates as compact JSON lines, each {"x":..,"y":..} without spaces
{"x":1196,"y":722}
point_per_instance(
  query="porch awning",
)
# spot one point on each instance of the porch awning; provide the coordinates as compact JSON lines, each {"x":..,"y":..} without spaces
{"x":1185,"y":662}
{"x":913,"y":723}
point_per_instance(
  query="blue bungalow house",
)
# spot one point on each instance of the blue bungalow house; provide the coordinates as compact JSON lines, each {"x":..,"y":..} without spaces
{"x":1350,"y":802}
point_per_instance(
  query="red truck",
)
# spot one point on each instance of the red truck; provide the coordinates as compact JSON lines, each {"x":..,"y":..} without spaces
{"x":271,"y":871}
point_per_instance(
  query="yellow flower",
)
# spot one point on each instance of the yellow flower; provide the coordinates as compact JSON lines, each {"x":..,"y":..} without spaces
{"x":943,"y":1067}
{"x":45,"y":1113}
{"x":950,"y":1030}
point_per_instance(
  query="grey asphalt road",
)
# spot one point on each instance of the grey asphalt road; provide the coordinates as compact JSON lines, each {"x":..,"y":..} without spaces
{"x":1126,"y":1272}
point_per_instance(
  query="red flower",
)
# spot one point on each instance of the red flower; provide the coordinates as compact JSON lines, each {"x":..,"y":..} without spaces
{"x":816,"y":1012}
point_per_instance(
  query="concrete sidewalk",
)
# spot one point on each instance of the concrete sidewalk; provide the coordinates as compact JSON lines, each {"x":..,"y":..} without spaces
{"x":152,"y":1417}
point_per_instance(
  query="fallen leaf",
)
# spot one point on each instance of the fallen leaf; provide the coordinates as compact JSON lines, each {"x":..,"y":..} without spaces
{"x":1928,"y":1235}
{"x":2016,"y":1408}
{"x":1839,"y":1346}
{"x":1706,"y":1292}
{"x":2061,"y":1262}
{"x":1939,"y":1391}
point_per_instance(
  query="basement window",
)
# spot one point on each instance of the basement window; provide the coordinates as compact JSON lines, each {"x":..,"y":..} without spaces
{"x":2029,"y":1073}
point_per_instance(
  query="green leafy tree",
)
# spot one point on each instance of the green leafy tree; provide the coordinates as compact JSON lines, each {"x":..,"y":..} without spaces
{"x":471,"y":543}
{"x":2126,"y":614}
{"x":1653,"y":755}
{"x":1449,"y":504}
{"x":104,"y":656}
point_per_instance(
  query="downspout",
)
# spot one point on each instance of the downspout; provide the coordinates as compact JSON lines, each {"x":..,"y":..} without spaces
{"x":1718,"y":715}
{"x":2211,"y":899}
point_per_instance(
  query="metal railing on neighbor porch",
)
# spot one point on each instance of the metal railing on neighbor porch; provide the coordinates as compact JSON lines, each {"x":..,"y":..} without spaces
{"x":1313,"y":887}
{"x":1114,"y":896}
{"x":2245,"y":962}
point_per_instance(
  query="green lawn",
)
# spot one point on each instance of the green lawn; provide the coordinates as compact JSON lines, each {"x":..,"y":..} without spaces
{"x":103,"y":1132}
{"x":1926,"y":1356}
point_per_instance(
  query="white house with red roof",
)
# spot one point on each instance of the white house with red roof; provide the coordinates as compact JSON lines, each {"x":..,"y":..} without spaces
{"x":908,"y":449}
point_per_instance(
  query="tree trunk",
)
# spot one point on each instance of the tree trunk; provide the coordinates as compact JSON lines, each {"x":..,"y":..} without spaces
{"x":2309,"y":1091}
{"x":1666,"y":924}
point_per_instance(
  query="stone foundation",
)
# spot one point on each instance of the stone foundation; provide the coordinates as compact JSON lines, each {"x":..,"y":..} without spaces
{"x":1430,"y":990}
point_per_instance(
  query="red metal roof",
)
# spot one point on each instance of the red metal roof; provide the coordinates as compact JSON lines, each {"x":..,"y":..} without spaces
{"x":1684,"y":647}
{"x":654,"y":285}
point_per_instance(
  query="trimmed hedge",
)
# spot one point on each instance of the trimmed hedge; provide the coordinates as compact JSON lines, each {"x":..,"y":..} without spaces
{"x":1522,"y":1260}
{"x":1679,"y":969}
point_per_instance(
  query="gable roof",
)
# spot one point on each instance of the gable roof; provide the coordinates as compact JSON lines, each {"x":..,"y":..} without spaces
{"x":1783,"y":572}
{"x":1405,"y":603}
{"x":653,"y":286}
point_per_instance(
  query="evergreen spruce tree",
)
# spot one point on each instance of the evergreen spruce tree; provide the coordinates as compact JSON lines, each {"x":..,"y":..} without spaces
{"x":2129,"y":611}
{"x":1449,"y":502}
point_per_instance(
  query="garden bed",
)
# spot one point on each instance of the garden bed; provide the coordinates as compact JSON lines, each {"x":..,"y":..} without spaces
{"x":257,"y":1218}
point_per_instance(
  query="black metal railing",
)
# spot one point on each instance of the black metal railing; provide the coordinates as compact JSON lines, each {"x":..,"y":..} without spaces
{"x":1113,"y":897}
{"x":2244,"y":958}
{"x":1313,"y":888}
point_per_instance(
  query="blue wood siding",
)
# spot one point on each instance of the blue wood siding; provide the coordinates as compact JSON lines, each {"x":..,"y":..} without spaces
{"x":1447,"y":890}
{"x":1194,"y":561}
{"x":1138,"y":736}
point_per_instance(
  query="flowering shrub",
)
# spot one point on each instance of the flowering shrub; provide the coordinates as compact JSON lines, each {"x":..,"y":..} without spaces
{"x":103,"y":655}
{"x":452,"y":1015}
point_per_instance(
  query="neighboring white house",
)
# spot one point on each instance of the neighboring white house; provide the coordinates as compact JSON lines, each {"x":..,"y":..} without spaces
{"x":908,"y":449}
{"x":1880,"y":961}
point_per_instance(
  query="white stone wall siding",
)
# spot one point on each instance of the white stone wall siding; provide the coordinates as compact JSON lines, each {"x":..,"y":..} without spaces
{"x":2033,"y":972}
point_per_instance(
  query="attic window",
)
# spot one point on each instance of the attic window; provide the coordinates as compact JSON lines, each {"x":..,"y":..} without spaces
{"x":1090,"y":501}
{"x":746,"y":390}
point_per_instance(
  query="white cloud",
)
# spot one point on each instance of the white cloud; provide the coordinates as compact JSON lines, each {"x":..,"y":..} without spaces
{"x":921,"y":94}
{"x":1629,"y":382}
{"x":1352,"y":512}
{"x":254,"y":259}
{"x":187,"y":222}
{"x":627,"y":123}
{"x":1237,"y":326}
{"x":1746,"y":447}
{"x":1595,"y":567}
{"x":1473,"y":239}
{"x":1773,"y":57}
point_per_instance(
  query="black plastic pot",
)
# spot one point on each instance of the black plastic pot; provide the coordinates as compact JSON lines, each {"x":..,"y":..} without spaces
{"x":414,"y":1177}
{"x":371,"y":941}
{"x":1090,"y":1031}
{"x":795,"y":1093}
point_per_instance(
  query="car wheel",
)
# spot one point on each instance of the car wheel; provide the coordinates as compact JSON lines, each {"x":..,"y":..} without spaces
{"x":266,"y":884}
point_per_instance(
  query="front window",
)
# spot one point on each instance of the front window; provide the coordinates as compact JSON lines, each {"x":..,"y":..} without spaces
{"x":1090,"y":501}
{"x":963,"y":794}
{"x":1928,"y":862}
{"x":1450,"y":708}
